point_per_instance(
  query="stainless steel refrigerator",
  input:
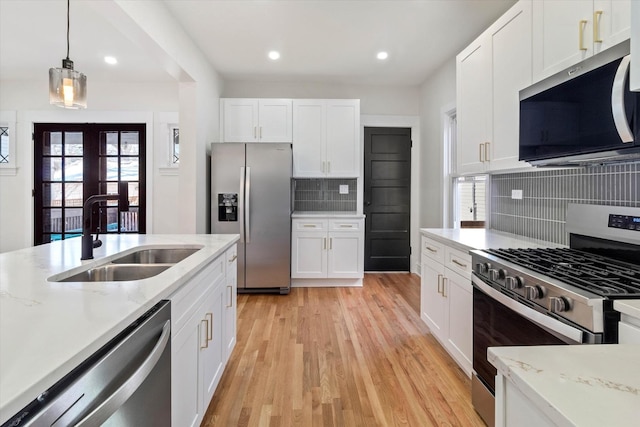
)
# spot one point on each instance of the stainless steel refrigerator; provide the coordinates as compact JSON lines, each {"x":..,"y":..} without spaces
{"x":251,"y":196}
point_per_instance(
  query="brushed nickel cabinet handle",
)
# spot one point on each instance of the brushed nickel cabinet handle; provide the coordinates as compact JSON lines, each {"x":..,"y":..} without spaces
{"x":481,"y":150}
{"x":444,"y":287}
{"x":486,"y":151}
{"x":206,"y":341}
{"x":458,"y":263}
{"x":209,"y":326}
{"x":330,"y":243}
{"x":439,"y":283}
{"x":430,"y":249}
{"x":235,"y":257}
{"x":324,"y":243}
{"x":230,"y":296}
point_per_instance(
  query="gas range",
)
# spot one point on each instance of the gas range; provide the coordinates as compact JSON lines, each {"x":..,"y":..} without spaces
{"x":576,"y":284}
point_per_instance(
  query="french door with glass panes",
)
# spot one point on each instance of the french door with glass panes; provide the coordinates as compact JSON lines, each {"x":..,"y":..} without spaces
{"x":75,"y":161}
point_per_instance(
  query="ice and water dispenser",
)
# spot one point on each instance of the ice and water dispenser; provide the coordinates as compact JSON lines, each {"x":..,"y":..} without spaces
{"x":227,"y":206}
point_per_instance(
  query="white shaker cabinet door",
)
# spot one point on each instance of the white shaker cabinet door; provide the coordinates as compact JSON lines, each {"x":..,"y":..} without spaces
{"x":211,"y":358}
{"x":433,"y":308}
{"x":474,"y":106}
{"x":511,"y":70}
{"x":309,"y":135}
{"x":275,"y":120}
{"x":309,"y":255}
{"x":458,"y":292}
{"x":345,"y":255}
{"x":562,"y":35}
{"x":612,"y":21}
{"x":343,"y":138}
{"x":240,"y":120}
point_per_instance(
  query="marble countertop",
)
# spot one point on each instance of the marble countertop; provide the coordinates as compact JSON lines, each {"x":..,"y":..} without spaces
{"x":630,"y":307}
{"x":48,"y":328}
{"x":326,"y":214}
{"x":576,"y":385}
{"x":466,"y":239}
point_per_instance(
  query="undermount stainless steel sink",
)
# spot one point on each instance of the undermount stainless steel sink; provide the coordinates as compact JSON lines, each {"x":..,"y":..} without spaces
{"x":156,"y":256}
{"x":117,"y":273}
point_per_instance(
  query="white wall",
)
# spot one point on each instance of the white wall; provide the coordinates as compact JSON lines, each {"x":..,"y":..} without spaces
{"x":435,"y":93}
{"x":374,"y":100}
{"x":107,"y":103}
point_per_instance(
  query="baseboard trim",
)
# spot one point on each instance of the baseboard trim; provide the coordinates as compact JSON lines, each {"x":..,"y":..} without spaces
{"x":326,"y":283}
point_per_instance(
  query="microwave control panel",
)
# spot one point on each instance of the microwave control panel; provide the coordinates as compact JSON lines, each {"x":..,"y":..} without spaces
{"x":626,"y":222}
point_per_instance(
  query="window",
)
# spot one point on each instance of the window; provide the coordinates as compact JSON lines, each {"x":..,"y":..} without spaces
{"x":470,"y":201}
{"x":75,"y":161}
{"x":7,"y":143}
{"x":175,"y":145}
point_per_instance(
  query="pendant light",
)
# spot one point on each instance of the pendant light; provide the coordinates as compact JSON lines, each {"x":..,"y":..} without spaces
{"x":67,"y":87}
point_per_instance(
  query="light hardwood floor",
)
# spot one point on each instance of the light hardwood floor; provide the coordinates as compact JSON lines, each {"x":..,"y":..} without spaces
{"x":340,"y":357}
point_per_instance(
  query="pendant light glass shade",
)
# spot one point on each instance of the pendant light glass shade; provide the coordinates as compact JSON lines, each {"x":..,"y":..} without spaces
{"x":67,"y":87}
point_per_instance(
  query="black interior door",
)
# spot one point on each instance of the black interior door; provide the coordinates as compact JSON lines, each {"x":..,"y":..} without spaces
{"x":387,"y":199}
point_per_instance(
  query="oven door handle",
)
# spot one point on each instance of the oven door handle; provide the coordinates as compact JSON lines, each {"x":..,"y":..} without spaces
{"x":540,"y":319}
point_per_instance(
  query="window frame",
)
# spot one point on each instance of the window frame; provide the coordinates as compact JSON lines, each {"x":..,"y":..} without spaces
{"x":8,"y":119}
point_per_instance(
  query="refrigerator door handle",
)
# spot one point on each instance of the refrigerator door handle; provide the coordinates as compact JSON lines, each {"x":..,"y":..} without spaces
{"x":241,"y":204}
{"x":247,"y":217}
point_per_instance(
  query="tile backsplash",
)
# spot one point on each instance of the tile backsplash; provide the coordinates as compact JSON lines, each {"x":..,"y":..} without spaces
{"x":320,"y":194}
{"x":541,"y":212}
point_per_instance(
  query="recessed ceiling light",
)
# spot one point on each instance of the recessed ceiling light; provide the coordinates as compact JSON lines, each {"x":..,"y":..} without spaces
{"x":110,"y":60}
{"x":274,"y":55}
{"x":382,"y":55}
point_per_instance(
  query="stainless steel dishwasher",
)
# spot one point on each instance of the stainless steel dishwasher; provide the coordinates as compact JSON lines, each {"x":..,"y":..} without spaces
{"x":125,"y":383}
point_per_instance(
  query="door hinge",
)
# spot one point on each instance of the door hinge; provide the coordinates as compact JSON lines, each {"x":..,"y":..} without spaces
{"x":410,"y":250}
{"x":33,"y":192}
{"x":33,"y":136}
{"x":411,"y":141}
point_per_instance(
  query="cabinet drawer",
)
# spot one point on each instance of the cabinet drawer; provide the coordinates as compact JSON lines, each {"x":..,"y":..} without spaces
{"x":458,"y":261}
{"x":187,"y":298}
{"x":231,"y":258}
{"x":309,"y":224}
{"x":432,"y":249}
{"x":628,"y":333}
{"x":345,"y":224}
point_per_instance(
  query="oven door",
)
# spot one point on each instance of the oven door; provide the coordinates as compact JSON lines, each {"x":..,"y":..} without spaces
{"x":499,"y":320}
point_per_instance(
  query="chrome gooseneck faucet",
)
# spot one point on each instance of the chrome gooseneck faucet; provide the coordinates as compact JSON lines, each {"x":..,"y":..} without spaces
{"x":123,"y":202}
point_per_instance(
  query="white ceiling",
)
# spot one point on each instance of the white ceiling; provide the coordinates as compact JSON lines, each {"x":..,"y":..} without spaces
{"x":331,"y":41}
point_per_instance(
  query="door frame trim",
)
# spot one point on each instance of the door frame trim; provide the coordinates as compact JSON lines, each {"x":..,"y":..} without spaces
{"x":413,"y":122}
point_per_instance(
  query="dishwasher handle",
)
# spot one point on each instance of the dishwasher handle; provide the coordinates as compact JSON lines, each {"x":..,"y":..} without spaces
{"x":126,"y":390}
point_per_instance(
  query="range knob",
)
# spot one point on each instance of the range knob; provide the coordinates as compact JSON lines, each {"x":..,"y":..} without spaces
{"x":533,"y":292}
{"x":493,"y":274}
{"x":559,"y":304}
{"x":513,"y":282}
{"x":483,"y":267}
{"x":502,"y":273}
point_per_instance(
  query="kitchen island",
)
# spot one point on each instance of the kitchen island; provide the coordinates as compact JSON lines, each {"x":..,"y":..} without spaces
{"x":48,"y":328}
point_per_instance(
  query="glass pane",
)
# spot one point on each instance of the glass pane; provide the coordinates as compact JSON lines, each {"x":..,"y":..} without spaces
{"x":73,"y":194}
{"x":176,"y":145}
{"x":52,"y":194}
{"x":129,"y":220}
{"x":52,"y":144}
{"x":109,"y":143}
{"x":109,"y":168}
{"x":46,"y":238}
{"x":4,"y":144}
{"x":52,"y":169}
{"x":129,"y":168}
{"x":112,"y":219}
{"x":130,"y":143}
{"x":134,"y":193}
{"x":73,"y":143}
{"x":73,"y":169}
{"x":52,"y":220}
{"x":73,"y":220}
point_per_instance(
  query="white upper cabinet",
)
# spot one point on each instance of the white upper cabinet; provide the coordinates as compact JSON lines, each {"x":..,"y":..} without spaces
{"x":567,"y":31}
{"x":490,"y":73}
{"x":255,"y":120}
{"x":326,"y":138}
{"x":635,"y":46}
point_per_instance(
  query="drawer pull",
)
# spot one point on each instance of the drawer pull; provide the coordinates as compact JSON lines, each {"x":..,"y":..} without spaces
{"x":430,"y":249}
{"x":309,"y":225}
{"x":346,"y":225}
{"x":235,"y":257}
{"x":458,"y":263}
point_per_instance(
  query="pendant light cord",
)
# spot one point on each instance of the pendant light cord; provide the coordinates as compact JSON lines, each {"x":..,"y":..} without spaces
{"x":68,"y":4}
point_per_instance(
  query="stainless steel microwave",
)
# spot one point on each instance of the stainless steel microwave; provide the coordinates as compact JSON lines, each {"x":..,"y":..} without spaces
{"x":583,"y":115}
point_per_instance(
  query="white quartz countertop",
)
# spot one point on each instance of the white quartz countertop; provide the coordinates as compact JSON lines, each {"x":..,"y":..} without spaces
{"x":48,"y":328}
{"x":326,"y":214}
{"x":630,"y":307}
{"x":466,"y":239}
{"x":576,"y":385}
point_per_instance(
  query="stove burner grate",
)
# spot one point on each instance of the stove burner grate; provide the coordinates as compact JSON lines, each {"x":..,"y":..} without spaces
{"x":601,"y":275}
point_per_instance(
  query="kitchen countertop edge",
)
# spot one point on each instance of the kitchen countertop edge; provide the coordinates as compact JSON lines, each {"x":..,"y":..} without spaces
{"x":327,"y":214}
{"x":467,"y":239}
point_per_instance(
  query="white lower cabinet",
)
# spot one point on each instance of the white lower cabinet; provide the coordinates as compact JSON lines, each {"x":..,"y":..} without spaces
{"x":199,"y":347}
{"x":326,"y":248}
{"x":446,"y":299}
{"x":513,"y":408}
{"x":230,"y":292}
